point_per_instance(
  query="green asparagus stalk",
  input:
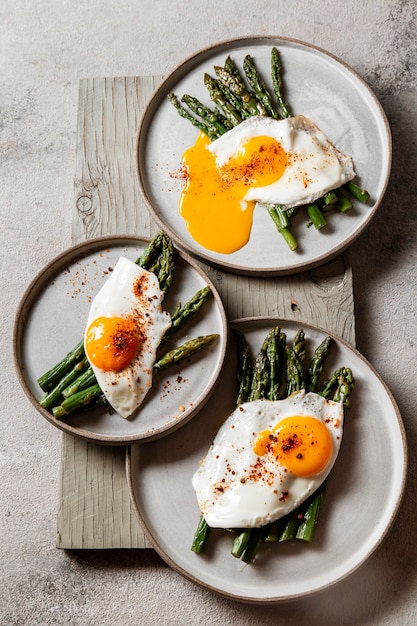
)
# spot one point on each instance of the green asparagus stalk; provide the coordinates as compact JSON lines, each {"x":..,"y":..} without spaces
{"x":329,"y":388}
{"x":343,"y":202}
{"x":77,"y":401}
{"x":162,"y":264}
{"x":207,"y":129}
{"x":307,"y":527}
{"x":201,"y":536}
{"x":190,"y":309}
{"x":271,"y":532}
{"x":240,"y":542}
{"x":234,"y":100}
{"x":86,"y":379}
{"x":52,"y":377}
{"x":282,"y":221}
{"x":339,"y":386}
{"x":249,"y":101}
{"x":261,"y":374}
{"x":219,"y":99}
{"x":276,"y":358}
{"x":184,"y":351}
{"x":150,"y":254}
{"x":254,"y":541}
{"x":357,"y":192}
{"x":329,"y":199}
{"x":213,"y":119}
{"x":279,"y":215}
{"x":345,"y":387}
{"x":317,"y":363}
{"x":316,"y":216}
{"x":52,"y":397}
{"x":258,"y":85}
{"x":276,"y":71}
{"x":245,"y":368}
{"x":289,"y":527}
{"x":299,"y":345}
{"x":231,"y":67}
{"x":295,"y":371}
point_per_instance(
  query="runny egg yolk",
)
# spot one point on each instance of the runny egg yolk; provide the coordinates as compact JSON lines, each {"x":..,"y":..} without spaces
{"x":212,"y":201}
{"x":111,"y":343}
{"x":303,"y":445}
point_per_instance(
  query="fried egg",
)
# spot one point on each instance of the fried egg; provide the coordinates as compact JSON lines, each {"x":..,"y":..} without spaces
{"x":267,"y":458}
{"x":287,"y":162}
{"x":124,"y":329}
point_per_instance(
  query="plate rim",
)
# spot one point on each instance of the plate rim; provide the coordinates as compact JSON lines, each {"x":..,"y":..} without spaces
{"x":97,"y":243}
{"x":199,"y":253}
{"x":371,"y":551}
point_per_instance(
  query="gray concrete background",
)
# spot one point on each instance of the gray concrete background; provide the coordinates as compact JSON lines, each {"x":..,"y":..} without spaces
{"x":45,"y":48}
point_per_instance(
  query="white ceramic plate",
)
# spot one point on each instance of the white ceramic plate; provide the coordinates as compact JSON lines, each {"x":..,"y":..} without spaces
{"x":318,"y":85}
{"x":362,"y":497}
{"x":51,"y":319}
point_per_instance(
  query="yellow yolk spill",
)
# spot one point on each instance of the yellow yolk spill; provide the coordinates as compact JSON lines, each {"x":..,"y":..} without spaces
{"x":301,"y":444}
{"x":111,"y":343}
{"x":212,"y":201}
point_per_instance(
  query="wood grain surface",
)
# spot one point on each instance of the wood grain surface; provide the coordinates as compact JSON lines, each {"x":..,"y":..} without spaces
{"x":94,"y":508}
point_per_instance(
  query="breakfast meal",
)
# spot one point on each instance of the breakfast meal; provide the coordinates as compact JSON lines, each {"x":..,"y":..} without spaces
{"x":252,"y":150}
{"x":115,"y":362}
{"x":264,"y":475}
{"x":265,"y":484}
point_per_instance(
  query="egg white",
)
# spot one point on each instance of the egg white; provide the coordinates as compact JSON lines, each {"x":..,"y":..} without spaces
{"x":125,"y":390}
{"x":243,"y":503}
{"x":315,"y":165}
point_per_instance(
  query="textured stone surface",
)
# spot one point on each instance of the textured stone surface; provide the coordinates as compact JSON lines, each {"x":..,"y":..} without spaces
{"x":45,"y":48}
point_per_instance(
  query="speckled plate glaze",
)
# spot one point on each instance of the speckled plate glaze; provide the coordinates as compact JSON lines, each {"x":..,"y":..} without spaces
{"x":318,"y":85}
{"x":51,"y":319}
{"x":363,"y":494}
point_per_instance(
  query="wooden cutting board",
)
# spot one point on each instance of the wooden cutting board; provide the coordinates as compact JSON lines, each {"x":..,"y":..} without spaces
{"x":94,"y":508}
